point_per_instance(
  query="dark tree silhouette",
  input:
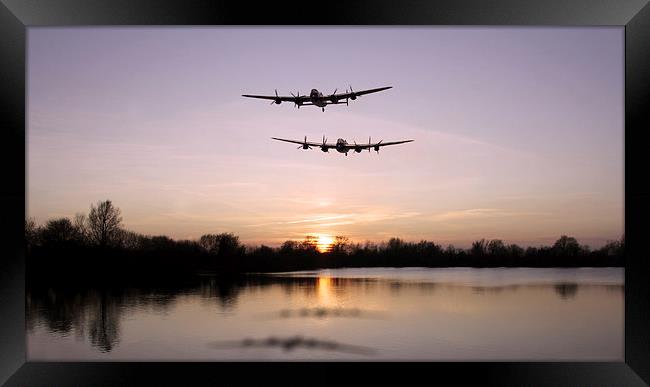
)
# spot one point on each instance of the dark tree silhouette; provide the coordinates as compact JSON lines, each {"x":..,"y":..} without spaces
{"x":97,"y":244}
{"x":613,"y":248}
{"x":228,"y":244}
{"x":220,"y":244}
{"x":479,"y":248}
{"x":130,"y":240}
{"x":310,"y":243}
{"x":496,"y":247}
{"x":31,"y":233}
{"x":515,"y":251}
{"x":59,"y":231}
{"x":210,"y":243}
{"x":341,"y":245}
{"x":104,"y":222}
{"x":288,"y":247}
{"x":566,"y":246}
{"x":80,"y":223}
{"x":395,"y":244}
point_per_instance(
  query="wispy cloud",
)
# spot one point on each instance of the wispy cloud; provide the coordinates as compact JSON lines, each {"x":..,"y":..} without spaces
{"x":475,"y":213}
{"x":359,"y":217}
{"x":320,"y":219}
{"x":336,"y":223}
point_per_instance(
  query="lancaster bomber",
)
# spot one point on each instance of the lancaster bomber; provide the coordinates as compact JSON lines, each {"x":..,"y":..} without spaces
{"x":341,"y":145}
{"x":316,"y":98}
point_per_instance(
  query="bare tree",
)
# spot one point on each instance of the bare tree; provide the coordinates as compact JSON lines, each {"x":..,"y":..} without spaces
{"x":566,"y":246}
{"x":228,"y":243}
{"x":80,"y":224}
{"x":220,"y":244}
{"x":104,"y":222}
{"x":496,"y":248}
{"x":210,"y":242}
{"x":31,"y":232}
{"x":341,"y":245}
{"x":58,"y":231}
{"x":129,"y":240}
{"x":479,"y":248}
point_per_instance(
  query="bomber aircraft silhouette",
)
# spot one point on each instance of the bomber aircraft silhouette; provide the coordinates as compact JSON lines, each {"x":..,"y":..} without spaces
{"x":341,"y":145}
{"x":316,"y":98}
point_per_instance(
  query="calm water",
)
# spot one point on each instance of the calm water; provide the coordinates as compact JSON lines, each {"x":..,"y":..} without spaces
{"x":342,"y":314}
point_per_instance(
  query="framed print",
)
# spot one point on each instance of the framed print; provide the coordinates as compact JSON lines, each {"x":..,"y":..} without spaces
{"x":465,"y":195}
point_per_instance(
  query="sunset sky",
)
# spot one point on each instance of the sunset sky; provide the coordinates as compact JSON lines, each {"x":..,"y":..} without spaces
{"x":518,"y":131}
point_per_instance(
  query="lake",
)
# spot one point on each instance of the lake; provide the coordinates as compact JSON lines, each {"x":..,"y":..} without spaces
{"x":360,"y":314}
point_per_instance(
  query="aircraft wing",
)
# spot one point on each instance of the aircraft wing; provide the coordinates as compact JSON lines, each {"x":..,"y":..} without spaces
{"x":314,"y":144}
{"x":356,"y":93}
{"x":379,"y":144}
{"x":303,"y":98}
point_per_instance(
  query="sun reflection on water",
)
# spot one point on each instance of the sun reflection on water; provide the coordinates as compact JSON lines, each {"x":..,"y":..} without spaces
{"x":325,"y":296}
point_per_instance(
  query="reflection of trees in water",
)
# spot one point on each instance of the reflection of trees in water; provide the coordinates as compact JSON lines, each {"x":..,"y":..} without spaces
{"x":103,"y":324}
{"x":307,"y":286}
{"x":620,"y":289}
{"x":91,"y":313}
{"x":395,"y":287}
{"x":224,"y":291}
{"x":566,"y":290}
{"x":95,"y":311}
{"x":495,"y":289}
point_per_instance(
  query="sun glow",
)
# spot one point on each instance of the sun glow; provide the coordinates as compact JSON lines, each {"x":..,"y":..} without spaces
{"x":324,"y":243}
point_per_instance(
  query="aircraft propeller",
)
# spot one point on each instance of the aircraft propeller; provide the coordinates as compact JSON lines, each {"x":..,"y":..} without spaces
{"x":277,"y":99}
{"x":353,"y":96}
{"x":305,"y":145}
{"x":333,"y":97}
{"x":296,"y":103}
{"x":323,"y":147}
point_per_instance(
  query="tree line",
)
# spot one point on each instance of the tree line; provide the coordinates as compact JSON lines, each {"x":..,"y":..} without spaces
{"x":98,"y":242}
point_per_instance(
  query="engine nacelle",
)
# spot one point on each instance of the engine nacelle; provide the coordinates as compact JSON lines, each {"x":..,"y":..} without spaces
{"x":353,"y":97}
{"x":358,"y":150}
{"x":324,"y":149}
{"x":376,"y":148}
{"x":278,"y":101}
{"x":335,"y":100}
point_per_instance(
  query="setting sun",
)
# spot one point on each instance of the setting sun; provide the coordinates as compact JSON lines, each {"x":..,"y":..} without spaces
{"x":324,"y":243}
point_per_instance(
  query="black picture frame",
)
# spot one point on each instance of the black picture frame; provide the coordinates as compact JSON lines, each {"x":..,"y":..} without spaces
{"x":18,"y":15}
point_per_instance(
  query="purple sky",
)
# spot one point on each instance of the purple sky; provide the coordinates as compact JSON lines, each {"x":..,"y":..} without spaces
{"x":518,"y":131}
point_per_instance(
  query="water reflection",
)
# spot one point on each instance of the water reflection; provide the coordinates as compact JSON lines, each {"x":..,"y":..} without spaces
{"x":294,"y":342}
{"x":311,"y":304}
{"x":566,"y":290}
{"x":324,"y":312}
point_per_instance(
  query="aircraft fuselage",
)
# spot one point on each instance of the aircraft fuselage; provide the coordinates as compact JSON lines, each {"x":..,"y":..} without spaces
{"x":316,"y":98}
{"x":340,"y":146}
